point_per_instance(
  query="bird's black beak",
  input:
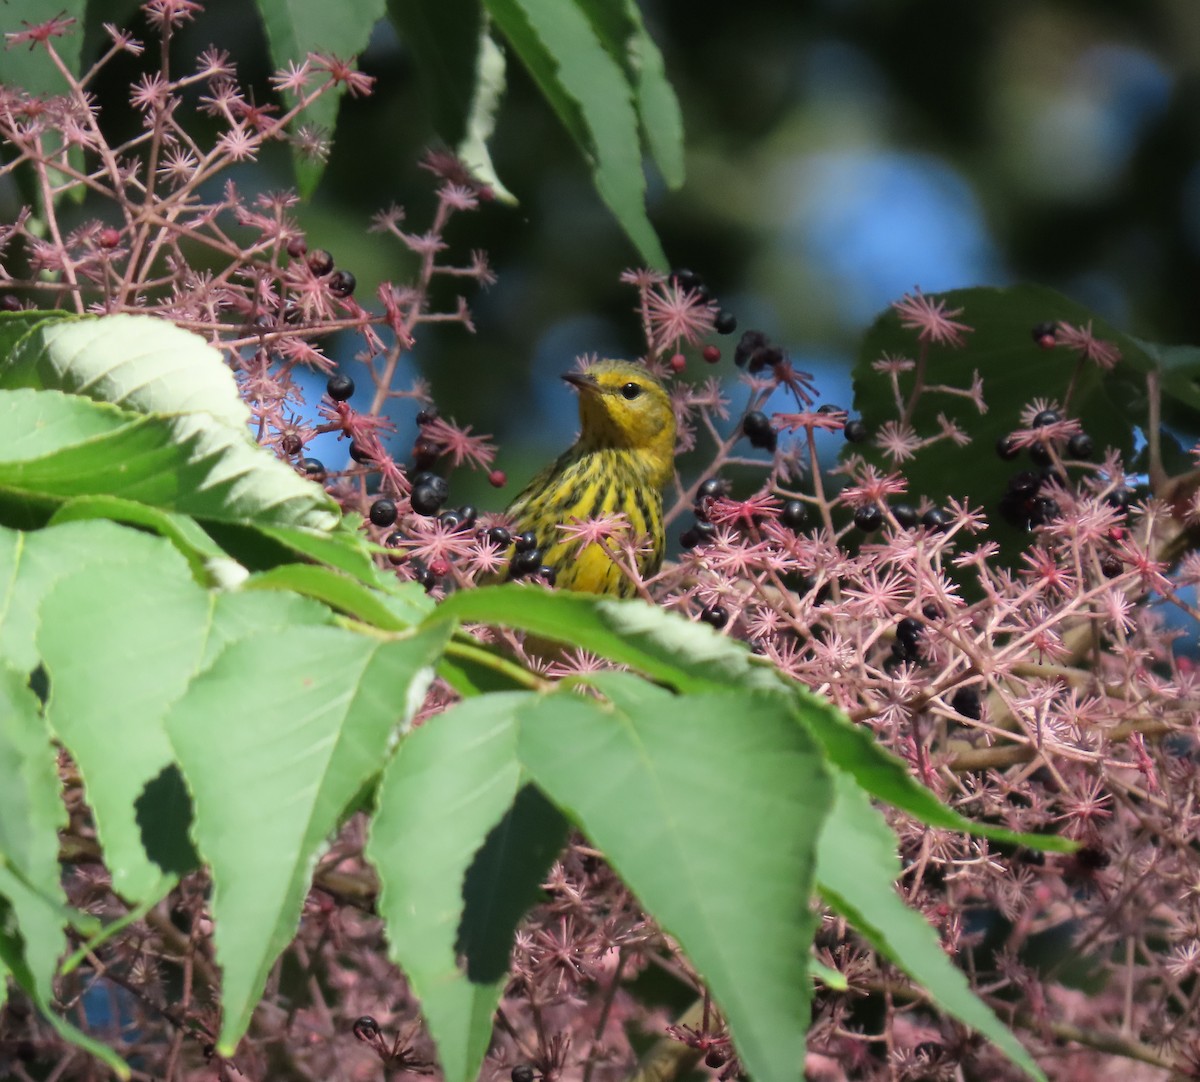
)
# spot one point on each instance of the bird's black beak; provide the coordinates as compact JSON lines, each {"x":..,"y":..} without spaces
{"x":581,"y":381}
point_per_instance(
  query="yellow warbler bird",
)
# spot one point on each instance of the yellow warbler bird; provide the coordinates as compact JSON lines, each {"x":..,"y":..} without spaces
{"x":624,"y":455}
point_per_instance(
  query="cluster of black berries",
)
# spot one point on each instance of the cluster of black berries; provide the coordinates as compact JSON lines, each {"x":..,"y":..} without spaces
{"x":701,"y":531}
{"x":755,"y":352}
{"x":906,"y":647}
{"x":691,"y":282}
{"x":527,"y":557}
{"x":1026,"y":503}
{"x":341,"y":283}
{"x":870,"y":517}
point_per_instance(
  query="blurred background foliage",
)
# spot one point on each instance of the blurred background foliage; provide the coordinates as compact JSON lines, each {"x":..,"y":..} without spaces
{"x":839,"y":153}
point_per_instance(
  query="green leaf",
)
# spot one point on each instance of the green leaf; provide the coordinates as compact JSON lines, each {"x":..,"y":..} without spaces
{"x":1014,"y":369}
{"x":275,"y":739}
{"x":855,"y":750}
{"x":592,"y":98}
{"x":451,"y":782}
{"x":444,"y":37}
{"x":296,"y":28}
{"x":12,"y":963}
{"x":31,"y":814}
{"x":491,"y":80}
{"x":119,"y":646}
{"x":686,"y":654}
{"x":620,"y":28}
{"x":185,"y":463}
{"x":201,"y":552}
{"x":28,"y":66}
{"x":856,"y":871}
{"x":709,"y":807}
{"x":334,"y":589}
{"x":181,"y":441}
{"x":141,"y":363}
{"x":1180,"y":368}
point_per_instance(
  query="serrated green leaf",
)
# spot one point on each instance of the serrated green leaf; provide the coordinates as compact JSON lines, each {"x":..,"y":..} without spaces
{"x":444,"y":37}
{"x":491,"y":80}
{"x":709,"y":807}
{"x":141,"y":363}
{"x":281,"y":732}
{"x":588,"y":91}
{"x":334,"y":589}
{"x":200,"y":551}
{"x":12,"y":962}
{"x":31,"y":814}
{"x":621,"y":30}
{"x":186,"y":463}
{"x":448,"y":786}
{"x":119,"y":646}
{"x":683,"y":653}
{"x":296,"y":28}
{"x":856,"y":871}
{"x":854,"y":749}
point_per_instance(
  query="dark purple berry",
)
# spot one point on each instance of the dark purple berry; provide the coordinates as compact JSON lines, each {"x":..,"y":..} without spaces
{"x":829,"y":407}
{"x":429,"y":413}
{"x":1024,"y":483}
{"x":930,"y":611}
{"x":1081,"y":446}
{"x":366,"y":1028}
{"x":360,"y":454}
{"x":1041,"y":456}
{"x":383,"y":512}
{"x":428,"y":497}
{"x":525,"y":562}
{"x":855,"y":432}
{"x":965,"y":701}
{"x":868,"y":518}
{"x":1047,"y":417}
{"x":291,"y":444}
{"x":468,"y":514}
{"x":499,"y":537}
{"x":905,"y":515}
{"x":1044,"y":334}
{"x":794,"y":514}
{"x":715,"y":615}
{"x":935,"y":519}
{"x":342,"y":283}
{"x":909,"y":631}
{"x":1006,"y":448}
{"x":313,"y":467}
{"x":525,"y":542}
{"x":1120,"y":497}
{"x":547,"y":574}
{"x":1111,"y":566}
{"x":340,"y":387}
{"x":319,"y":261}
{"x":450,"y":520}
{"x":757,"y":428}
{"x":296,"y":247}
{"x":687,"y":279}
{"x":749,"y":345}
{"x":523,"y":1072}
{"x":725,"y":323}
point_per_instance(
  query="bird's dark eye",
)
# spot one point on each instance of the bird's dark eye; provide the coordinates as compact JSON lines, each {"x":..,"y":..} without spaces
{"x":631,"y":390}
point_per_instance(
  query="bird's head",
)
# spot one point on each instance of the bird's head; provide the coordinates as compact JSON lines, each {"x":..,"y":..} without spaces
{"x":621,"y":405}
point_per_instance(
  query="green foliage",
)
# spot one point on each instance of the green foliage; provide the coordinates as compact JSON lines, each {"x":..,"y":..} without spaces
{"x":235,"y":719}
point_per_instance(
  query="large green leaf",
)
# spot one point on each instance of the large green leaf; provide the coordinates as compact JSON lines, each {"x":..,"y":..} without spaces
{"x":31,"y":814}
{"x":683,"y":653}
{"x":296,"y":28}
{"x":591,"y":96}
{"x":141,"y":363}
{"x":441,"y":798}
{"x":709,"y":807}
{"x":621,"y":30}
{"x":1014,"y":369}
{"x":185,"y":463}
{"x":275,"y":739}
{"x":120,"y":642}
{"x":856,"y":871}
